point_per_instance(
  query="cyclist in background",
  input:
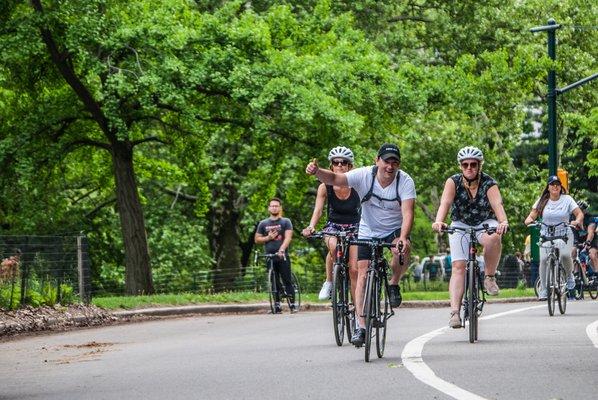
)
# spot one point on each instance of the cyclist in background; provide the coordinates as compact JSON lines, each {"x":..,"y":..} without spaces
{"x":474,"y":200}
{"x":388,"y":199}
{"x":555,"y":206}
{"x":343,"y":210}
{"x":588,"y":236}
{"x":275,"y":233}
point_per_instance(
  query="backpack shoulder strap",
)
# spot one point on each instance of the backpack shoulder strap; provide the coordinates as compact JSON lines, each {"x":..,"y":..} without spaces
{"x":368,"y":195}
{"x":398,"y":179}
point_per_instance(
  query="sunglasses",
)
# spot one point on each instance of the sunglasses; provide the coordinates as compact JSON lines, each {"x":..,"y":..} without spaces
{"x":339,"y":162}
{"x":471,"y":165}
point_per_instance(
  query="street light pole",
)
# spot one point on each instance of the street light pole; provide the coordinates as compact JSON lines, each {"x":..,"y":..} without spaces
{"x":552,"y":142}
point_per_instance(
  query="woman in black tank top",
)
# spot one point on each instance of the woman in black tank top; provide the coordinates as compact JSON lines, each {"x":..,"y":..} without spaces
{"x":343,"y":209}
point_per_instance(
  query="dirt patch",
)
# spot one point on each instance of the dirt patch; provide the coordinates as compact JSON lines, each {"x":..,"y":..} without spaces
{"x":37,"y":319}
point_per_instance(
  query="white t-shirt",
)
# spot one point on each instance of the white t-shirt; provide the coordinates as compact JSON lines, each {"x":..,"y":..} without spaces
{"x":380,"y":218}
{"x":557,"y":211}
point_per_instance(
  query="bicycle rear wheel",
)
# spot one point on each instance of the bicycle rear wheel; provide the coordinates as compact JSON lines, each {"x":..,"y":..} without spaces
{"x":472,"y":303}
{"x":551,"y":285}
{"x":370,"y":311}
{"x":384,"y":311}
{"x":349,"y":310}
{"x":537,"y":285}
{"x":339,"y":303}
{"x":297,"y":290}
{"x":562,"y":289}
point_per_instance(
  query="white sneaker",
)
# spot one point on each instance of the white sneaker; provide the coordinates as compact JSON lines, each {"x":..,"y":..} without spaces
{"x":325,"y":291}
{"x":542,"y":295}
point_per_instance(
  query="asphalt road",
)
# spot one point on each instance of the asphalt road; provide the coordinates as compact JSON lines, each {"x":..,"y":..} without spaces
{"x":524,"y":354}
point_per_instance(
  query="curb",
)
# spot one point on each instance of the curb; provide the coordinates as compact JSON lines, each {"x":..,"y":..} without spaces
{"x":212,"y":309}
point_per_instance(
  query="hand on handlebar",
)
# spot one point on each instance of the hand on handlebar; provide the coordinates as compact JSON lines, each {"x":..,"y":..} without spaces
{"x":502,"y":228}
{"x":307,"y":232}
{"x":439,"y":226}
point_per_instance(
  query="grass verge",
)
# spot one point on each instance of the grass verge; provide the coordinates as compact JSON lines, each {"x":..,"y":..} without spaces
{"x":167,"y":300}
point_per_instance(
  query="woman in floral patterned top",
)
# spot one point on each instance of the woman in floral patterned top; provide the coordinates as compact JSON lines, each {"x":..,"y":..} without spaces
{"x":474,"y":200}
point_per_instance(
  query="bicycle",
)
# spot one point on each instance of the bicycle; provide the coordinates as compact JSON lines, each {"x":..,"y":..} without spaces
{"x":556,"y":277}
{"x":276,"y":286}
{"x":584,"y":280}
{"x":376,"y":303}
{"x":475,"y":295}
{"x":343,"y":314}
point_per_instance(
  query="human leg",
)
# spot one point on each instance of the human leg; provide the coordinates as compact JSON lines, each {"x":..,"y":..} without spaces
{"x":284,"y":269}
{"x":492,"y":250}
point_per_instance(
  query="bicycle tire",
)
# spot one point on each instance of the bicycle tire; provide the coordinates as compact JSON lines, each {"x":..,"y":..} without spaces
{"x":592,"y":287}
{"x":472,"y":303}
{"x":271,"y":289}
{"x":550,"y":285}
{"x":349,"y":311}
{"x":384,"y":315}
{"x":562,"y":289}
{"x":338,"y":304}
{"x":297,"y":289}
{"x":537,"y":285}
{"x":368,"y":308}
{"x":579,"y":282}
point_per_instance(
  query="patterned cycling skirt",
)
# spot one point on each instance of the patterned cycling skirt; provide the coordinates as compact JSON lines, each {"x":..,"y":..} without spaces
{"x":332,"y":227}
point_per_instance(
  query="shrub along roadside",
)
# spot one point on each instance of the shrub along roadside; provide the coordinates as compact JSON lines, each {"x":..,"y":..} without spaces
{"x":165,"y":300}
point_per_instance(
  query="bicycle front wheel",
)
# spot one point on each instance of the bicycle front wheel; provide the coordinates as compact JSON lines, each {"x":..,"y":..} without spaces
{"x":472,"y":303}
{"x":562,"y":289}
{"x":370,"y":311}
{"x":592,"y":287}
{"x":384,"y":311}
{"x":338,"y":303}
{"x":580,"y":280}
{"x":297,"y":290}
{"x":551,"y":285}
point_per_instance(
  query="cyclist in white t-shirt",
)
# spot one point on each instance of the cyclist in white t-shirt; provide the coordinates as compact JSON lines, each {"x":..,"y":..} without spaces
{"x":555,"y":206}
{"x":388,"y":199}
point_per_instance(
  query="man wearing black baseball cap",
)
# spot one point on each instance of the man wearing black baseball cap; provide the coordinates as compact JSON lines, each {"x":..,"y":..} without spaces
{"x":387,"y":209}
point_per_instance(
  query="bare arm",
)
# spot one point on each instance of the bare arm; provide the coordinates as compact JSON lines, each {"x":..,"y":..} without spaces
{"x":448,"y":194}
{"x":531,"y":217}
{"x":326,"y":176}
{"x":261,"y":239}
{"x":495,"y":200}
{"x":591,"y":232}
{"x":578,"y":217}
{"x":407,"y":209}
{"x":288,"y":235}
{"x":317,"y":213}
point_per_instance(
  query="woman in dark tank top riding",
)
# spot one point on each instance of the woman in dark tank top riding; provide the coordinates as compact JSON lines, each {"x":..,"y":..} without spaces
{"x":343,"y":209}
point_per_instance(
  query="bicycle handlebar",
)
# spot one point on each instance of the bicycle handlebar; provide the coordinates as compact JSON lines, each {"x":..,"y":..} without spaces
{"x":452,"y":229}
{"x":551,"y":230}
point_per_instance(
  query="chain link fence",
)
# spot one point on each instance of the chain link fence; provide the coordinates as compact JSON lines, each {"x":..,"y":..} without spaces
{"x":43,"y":270}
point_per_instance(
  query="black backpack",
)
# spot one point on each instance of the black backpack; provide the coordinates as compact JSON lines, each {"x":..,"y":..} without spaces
{"x":370,"y":192}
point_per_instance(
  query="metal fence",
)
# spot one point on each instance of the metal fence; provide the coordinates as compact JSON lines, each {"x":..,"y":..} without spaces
{"x":43,"y":270}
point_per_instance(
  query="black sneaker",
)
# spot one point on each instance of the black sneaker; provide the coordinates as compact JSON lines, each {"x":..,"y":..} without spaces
{"x":277,"y":309}
{"x":394,"y":292}
{"x":358,"y":337}
{"x":293,"y":309}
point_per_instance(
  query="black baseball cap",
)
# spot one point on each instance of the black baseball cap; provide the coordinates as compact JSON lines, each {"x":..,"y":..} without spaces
{"x":389,"y":150}
{"x":552,"y":179}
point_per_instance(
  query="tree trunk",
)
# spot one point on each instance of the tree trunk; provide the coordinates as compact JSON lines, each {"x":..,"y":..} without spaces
{"x":138,"y":274}
{"x":224,"y":242}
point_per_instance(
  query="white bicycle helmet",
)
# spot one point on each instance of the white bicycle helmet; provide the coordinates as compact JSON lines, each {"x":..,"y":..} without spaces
{"x":470,"y":152}
{"x":341,"y":152}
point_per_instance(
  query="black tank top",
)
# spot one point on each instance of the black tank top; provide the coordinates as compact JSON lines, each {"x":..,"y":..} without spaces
{"x":472,"y":211}
{"x":343,"y":211}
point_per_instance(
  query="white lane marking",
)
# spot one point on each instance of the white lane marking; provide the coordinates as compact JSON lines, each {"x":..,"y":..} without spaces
{"x":412,"y":360}
{"x":592,"y":332}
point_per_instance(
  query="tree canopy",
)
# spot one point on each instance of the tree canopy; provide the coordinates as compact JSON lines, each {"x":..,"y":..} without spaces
{"x":161,"y":127}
